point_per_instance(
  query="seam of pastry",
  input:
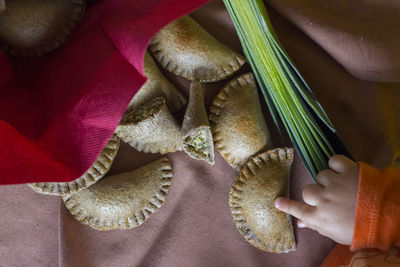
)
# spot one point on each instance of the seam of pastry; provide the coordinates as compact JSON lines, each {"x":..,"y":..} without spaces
{"x":234,"y":199}
{"x":86,"y":180}
{"x":196,"y":127}
{"x":124,"y":130}
{"x":211,"y":75}
{"x":215,"y":109}
{"x":136,"y":218}
{"x":156,"y":85}
{"x":216,"y":106}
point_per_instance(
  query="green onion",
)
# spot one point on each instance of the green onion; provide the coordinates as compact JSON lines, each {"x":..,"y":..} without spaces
{"x":288,"y":97}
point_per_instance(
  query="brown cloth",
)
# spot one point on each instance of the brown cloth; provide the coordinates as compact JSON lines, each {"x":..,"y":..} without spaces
{"x":195,"y":227}
{"x":2,"y":5}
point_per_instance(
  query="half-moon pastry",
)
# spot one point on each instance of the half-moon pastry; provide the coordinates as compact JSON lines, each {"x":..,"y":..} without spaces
{"x":97,"y":171}
{"x":124,"y":200}
{"x":237,"y":122}
{"x":198,"y":142}
{"x":35,"y":27}
{"x":251,"y":200}
{"x":151,"y":128}
{"x":184,"y":48}
{"x":157,"y":85}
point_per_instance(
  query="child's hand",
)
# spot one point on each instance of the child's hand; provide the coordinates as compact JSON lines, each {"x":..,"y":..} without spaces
{"x":331,"y":204}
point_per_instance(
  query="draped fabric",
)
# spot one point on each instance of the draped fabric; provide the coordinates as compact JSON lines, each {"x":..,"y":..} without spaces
{"x":57,"y":112}
{"x":194,"y":227}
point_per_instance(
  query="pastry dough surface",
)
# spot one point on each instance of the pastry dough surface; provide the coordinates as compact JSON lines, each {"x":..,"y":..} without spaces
{"x":251,"y":199}
{"x":237,"y":123}
{"x":198,"y":141}
{"x":97,"y":171}
{"x":184,"y":48}
{"x":35,"y":27}
{"x":151,"y":128}
{"x":157,"y":85}
{"x":124,"y":200}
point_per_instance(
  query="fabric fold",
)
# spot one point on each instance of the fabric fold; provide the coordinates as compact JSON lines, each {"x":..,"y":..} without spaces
{"x":57,"y":112}
{"x":377,"y":222}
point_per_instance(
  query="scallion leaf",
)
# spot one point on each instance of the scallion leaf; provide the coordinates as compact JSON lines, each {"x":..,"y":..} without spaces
{"x":288,"y":97}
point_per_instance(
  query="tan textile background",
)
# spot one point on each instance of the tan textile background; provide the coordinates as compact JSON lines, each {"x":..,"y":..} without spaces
{"x":194,"y":227}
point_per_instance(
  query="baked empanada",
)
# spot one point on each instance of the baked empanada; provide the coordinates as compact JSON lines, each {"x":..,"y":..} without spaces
{"x":198,"y":142}
{"x":151,"y":128}
{"x":124,"y":200}
{"x":157,"y":85}
{"x":237,"y":123}
{"x":97,"y":171}
{"x":184,"y":48}
{"x":35,"y":27}
{"x":251,"y":200}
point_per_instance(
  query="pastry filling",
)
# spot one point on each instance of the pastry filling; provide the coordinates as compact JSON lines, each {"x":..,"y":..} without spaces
{"x":199,"y":143}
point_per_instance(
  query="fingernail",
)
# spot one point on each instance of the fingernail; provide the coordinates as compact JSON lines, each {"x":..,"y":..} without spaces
{"x":301,"y":224}
{"x":278,"y":203}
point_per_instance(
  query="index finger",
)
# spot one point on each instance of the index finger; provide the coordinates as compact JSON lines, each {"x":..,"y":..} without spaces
{"x":299,"y":210}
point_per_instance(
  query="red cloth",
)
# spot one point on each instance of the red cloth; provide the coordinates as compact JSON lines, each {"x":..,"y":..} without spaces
{"x":58,"y":112}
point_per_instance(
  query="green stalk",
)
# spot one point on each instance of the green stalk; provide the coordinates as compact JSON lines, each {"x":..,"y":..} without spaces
{"x":288,"y":97}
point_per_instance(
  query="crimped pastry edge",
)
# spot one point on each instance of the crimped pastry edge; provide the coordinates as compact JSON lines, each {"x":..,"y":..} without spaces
{"x":138,"y":218}
{"x":258,"y":161}
{"x":221,"y":74}
{"x":215,"y":109}
{"x":143,"y":146}
{"x":97,"y":171}
{"x":77,"y":12}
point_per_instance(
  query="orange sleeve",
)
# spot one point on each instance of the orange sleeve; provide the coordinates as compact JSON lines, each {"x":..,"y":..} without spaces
{"x":377,"y":220}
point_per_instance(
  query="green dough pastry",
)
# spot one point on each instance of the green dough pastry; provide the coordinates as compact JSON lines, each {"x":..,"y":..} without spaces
{"x":251,"y":200}
{"x":237,"y":123}
{"x":97,"y":171}
{"x":151,"y":128}
{"x":124,"y":200}
{"x":157,"y":85}
{"x":35,"y":27}
{"x":198,"y":141}
{"x":184,"y":48}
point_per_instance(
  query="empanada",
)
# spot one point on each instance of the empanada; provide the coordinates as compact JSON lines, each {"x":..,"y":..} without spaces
{"x":35,"y":27}
{"x":97,"y":171}
{"x":184,"y":48}
{"x":251,"y":200}
{"x":157,"y":85}
{"x":151,"y":128}
{"x":237,"y":123}
{"x":198,"y":142}
{"x":124,"y":200}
